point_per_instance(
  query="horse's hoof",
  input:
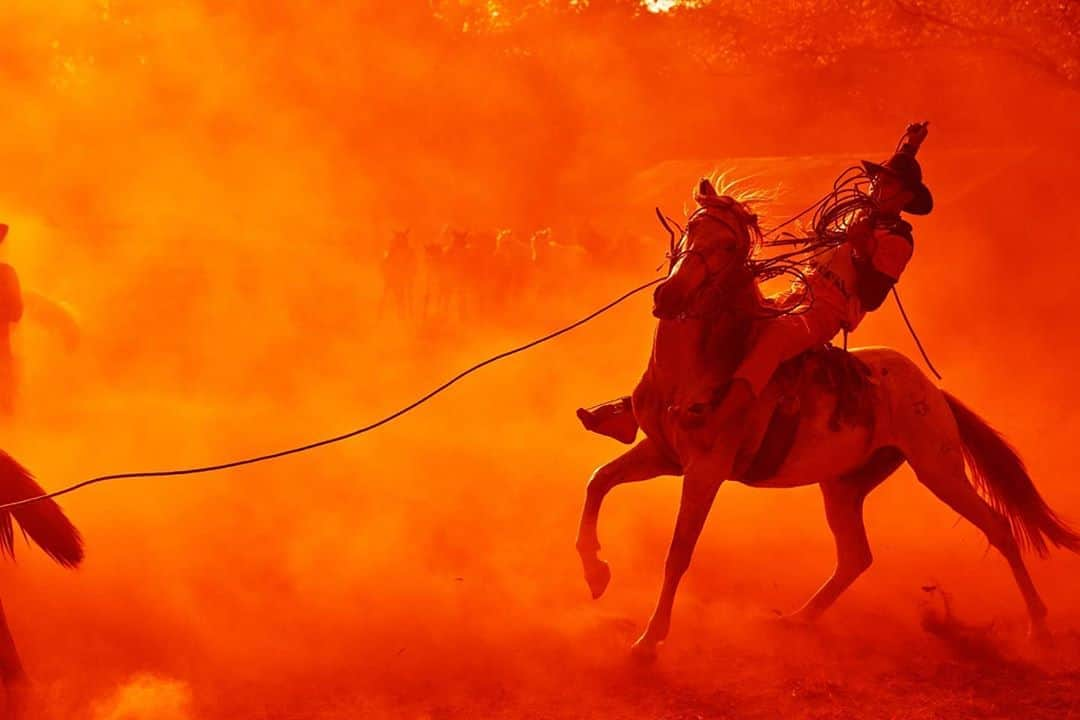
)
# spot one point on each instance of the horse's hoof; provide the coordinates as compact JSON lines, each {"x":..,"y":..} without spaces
{"x":17,"y":698}
{"x":597,"y":575}
{"x":643,"y":651}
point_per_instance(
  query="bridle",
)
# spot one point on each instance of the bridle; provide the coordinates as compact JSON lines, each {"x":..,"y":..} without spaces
{"x":716,"y":209}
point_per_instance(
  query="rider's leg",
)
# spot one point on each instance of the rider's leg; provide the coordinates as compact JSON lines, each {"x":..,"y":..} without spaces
{"x":779,"y":339}
{"x":614,"y":419}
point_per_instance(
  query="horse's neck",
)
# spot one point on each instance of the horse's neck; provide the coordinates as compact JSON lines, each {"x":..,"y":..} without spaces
{"x":685,"y":351}
{"x":678,"y":349}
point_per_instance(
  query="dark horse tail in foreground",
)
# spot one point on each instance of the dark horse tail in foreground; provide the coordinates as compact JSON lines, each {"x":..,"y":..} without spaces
{"x":844,"y":421}
{"x":44,"y":523}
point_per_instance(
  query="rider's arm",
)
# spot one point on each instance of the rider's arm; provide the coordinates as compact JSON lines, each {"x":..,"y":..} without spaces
{"x":873,"y":287}
{"x":913,"y":138}
{"x":878,"y":271}
{"x":861,"y":235}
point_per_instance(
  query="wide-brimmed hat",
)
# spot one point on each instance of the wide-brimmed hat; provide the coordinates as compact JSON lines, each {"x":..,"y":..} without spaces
{"x":906,"y":168}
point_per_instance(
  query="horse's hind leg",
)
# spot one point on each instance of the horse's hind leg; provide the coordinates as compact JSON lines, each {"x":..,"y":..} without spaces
{"x":641,"y":462}
{"x":943,"y":472}
{"x":844,"y":498}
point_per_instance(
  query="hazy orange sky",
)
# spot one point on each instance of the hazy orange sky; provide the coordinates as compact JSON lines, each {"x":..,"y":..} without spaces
{"x":209,"y":186}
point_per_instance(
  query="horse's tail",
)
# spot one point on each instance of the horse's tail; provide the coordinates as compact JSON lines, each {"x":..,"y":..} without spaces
{"x":1000,"y":475}
{"x":43,"y":521}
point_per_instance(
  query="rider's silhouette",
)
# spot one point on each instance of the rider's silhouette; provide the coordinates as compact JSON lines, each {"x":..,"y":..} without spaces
{"x":846,"y":282}
{"x":11,"y":308}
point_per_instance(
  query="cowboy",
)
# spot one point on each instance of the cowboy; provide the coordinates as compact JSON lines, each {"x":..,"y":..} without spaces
{"x":845,"y":283}
{"x":11,"y":309}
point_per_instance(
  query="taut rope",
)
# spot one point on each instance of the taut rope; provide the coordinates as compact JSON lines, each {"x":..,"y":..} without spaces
{"x":337,"y":438}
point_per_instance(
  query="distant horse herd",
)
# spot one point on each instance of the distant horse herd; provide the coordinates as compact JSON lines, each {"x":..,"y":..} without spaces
{"x":464,"y":275}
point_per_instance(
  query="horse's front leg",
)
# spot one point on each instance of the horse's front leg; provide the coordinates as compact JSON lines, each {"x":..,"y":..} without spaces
{"x":11,"y":673}
{"x":698,"y":492}
{"x":641,"y":462}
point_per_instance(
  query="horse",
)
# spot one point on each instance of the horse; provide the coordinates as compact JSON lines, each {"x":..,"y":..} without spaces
{"x":706,"y":309}
{"x":558,"y":265}
{"x":460,"y":262}
{"x":44,"y":523}
{"x":512,"y":274}
{"x":399,"y":267}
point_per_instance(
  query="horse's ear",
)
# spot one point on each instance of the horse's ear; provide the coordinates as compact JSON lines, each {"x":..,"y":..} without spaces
{"x":705,"y":188}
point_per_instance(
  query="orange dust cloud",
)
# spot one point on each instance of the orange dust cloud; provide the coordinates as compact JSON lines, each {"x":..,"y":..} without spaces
{"x":201,"y":194}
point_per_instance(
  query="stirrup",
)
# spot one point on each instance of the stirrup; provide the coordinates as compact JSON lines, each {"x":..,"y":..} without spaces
{"x":614,"y":419}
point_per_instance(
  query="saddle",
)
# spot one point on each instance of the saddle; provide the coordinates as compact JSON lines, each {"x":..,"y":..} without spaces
{"x":774,"y":422}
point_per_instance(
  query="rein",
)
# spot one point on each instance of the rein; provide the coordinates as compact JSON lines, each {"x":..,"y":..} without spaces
{"x":678,"y":250}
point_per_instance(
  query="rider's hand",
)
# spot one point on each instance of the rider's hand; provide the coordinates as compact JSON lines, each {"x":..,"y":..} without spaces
{"x":916,"y":133}
{"x":861,"y":235}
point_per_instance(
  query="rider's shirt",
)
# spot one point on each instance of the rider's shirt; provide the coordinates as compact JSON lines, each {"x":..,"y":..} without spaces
{"x":891,"y":250}
{"x":832,"y":277}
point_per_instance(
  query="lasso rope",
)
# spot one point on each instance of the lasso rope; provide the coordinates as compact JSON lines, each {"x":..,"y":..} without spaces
{"x":832,"y":213}
{"x":337,"y":438}
{"x":914,"y":335}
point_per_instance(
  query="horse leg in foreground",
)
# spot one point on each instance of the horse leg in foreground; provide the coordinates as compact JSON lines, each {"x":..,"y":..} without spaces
{"x":641,"y":462}
{"x":698,"y":493}
{"x":844,"y":498}
{"x":11,"y":672}
{"x":44,"y":523}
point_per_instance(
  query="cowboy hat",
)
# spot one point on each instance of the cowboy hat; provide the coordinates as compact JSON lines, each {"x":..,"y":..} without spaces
{"x":905,"y":168}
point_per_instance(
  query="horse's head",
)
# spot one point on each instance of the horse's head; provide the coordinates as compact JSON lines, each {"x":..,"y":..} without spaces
{"x":540,"y":237}
{"x":710,"y":255}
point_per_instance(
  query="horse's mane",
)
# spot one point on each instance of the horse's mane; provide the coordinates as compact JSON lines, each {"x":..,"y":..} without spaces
{"x":740,"y":189}
{"x":748,"y":197}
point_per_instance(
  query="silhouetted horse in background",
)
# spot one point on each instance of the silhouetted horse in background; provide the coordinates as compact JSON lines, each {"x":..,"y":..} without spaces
{"x":44,"y":523}
{"x":399,"y":269}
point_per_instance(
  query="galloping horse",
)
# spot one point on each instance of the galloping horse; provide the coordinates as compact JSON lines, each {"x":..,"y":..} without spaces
{"x":707,"y":308}
{"x":44,"y":523}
